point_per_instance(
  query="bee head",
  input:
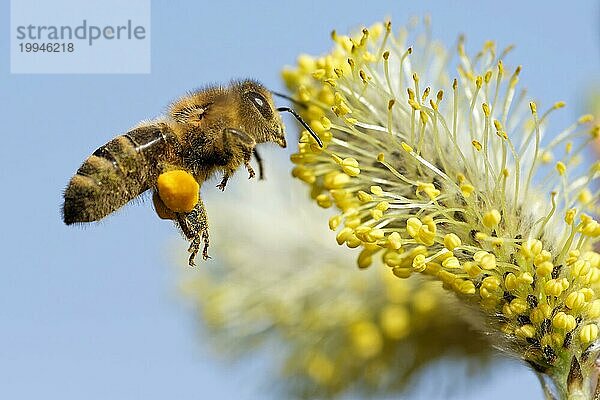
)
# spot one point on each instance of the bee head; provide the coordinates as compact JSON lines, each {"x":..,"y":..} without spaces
{"x":259,"y":115}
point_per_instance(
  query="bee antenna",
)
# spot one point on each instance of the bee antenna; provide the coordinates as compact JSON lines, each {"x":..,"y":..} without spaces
{"x":285,"y":96}
{"x":304,"y":124}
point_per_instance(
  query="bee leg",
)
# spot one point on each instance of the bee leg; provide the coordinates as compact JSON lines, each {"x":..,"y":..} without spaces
{"x":261,"y":174}
{"x":247,"y":156}
{"x":236,"y":138}
{"x":243,"y":141}
{"x":195,"y":228}
{"x":251,"y":173}
{"x":223,"y":183}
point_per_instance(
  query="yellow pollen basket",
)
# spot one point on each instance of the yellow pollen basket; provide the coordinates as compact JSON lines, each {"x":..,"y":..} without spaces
{"x":178,"y":190}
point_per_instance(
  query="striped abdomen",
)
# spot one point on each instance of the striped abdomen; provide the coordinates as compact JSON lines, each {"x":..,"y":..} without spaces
{"x":115,"y":174}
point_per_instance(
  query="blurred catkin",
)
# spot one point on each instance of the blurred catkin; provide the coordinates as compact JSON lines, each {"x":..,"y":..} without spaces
{"x":336,"y":328}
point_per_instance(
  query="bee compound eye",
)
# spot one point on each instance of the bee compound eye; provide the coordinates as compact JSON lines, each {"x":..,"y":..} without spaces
{"x":261,"y":104}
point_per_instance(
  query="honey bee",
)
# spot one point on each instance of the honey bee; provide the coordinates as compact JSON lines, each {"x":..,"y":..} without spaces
{"x":215,"y":129}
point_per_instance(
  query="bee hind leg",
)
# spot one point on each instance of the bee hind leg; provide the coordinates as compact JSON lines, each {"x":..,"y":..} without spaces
{"x":226,"y":176}
{"x":195,"y":228}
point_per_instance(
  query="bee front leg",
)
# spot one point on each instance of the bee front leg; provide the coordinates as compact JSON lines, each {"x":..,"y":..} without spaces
{"x":241,"y":140}
{"x":195,"y":228}
{"x":261,"y":174}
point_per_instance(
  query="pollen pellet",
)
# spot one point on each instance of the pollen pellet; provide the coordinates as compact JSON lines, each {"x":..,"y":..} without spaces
{"x":178,"y":190}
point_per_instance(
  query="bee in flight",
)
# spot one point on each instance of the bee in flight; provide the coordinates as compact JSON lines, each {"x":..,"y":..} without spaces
{"x":211,"y":130}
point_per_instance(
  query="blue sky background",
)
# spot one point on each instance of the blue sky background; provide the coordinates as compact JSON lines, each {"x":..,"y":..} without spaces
{"x":94,"y":313}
